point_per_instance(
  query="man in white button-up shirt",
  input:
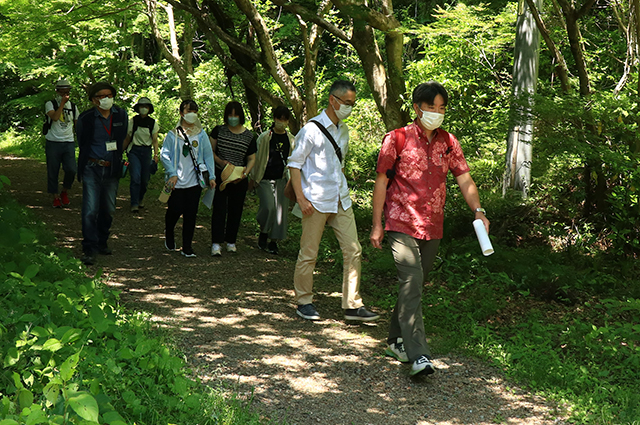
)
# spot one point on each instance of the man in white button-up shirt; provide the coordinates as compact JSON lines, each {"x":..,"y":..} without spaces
{"x":321,"y":191}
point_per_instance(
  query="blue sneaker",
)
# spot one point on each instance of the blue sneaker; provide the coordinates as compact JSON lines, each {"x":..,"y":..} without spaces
{"x":308,"y":311}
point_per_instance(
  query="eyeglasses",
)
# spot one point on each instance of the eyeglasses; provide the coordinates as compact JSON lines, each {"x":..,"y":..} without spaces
{"x":102,"y":96}
{"x":343,"y":102}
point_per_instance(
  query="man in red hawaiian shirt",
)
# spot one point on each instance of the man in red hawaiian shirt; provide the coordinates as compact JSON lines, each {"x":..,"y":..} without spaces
{"x":411,"y":189}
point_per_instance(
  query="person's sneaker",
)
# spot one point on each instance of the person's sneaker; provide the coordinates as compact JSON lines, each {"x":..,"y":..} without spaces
{"x":396,"y":350}
{"x":188,"y":253}
{"x":308,"y":311}
{"x":231,"y":247}
{"x":64,"y":198}
{"x":105,"y":250}
{"x":57,"y":203}
{"x":170,"y":246}
{"x":141,"y":205}
{"x":135,"y":208}
{"x":272,"y":248}
{"x":262,"y":240}
{"x":422,"y":366}
{"x":216,"y":251}
{"x":360,"y":314}
{"x":88,"y":259}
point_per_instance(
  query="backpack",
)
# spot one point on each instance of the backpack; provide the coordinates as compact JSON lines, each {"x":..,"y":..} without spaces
{"x":147,"y":122}
{"x":47,"y":119}
{"x":401,"y":135}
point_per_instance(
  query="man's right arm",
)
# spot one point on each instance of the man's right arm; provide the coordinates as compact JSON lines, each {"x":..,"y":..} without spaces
{"x":55,"y":114}
{"x":296,"y":181}
{"x":379,"y":196}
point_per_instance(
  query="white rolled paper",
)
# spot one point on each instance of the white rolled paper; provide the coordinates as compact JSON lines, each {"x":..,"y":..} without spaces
{"x":483,"y":238}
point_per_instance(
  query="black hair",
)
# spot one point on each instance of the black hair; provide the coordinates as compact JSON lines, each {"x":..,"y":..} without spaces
{"x":188,"y":104}
{"x":427,"y":92}
{"x":99,"y":86}
{"x":236,"y":107}
{"x":340,"y":87}
{"x":281,"y":113}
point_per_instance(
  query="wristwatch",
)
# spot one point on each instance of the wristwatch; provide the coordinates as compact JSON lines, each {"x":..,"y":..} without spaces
{"x":482,"y":210}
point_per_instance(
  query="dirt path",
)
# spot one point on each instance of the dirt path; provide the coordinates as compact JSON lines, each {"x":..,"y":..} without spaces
{"x":234,"y":318}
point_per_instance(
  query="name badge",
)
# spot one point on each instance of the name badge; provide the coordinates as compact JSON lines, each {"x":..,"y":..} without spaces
{"x":112,"y":146}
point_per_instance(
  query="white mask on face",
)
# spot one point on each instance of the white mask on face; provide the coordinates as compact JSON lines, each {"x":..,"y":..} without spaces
{"x":343,"y":112}
{"x":143,"y":111}
{"x":431,"y":120}
{"x":106,"y":103}
{"x":190,"y":117}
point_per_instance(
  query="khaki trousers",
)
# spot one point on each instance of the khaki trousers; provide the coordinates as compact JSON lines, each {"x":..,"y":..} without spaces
{"x":414,"y":259}
{"x":344,"y":226}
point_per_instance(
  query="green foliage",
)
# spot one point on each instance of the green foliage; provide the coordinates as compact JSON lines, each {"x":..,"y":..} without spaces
{"x":71,"y":355}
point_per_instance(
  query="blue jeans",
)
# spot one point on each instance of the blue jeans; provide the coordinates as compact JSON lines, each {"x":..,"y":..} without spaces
{"x":139,"y":172}
{"x":60,"y":153}
{"x":99,"y":190}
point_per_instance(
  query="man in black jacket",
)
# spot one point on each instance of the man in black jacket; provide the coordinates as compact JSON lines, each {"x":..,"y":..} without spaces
{"x":101,"y":131}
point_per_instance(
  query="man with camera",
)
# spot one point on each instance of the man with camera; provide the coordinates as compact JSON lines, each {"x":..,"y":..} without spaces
{"x":60,"y":146}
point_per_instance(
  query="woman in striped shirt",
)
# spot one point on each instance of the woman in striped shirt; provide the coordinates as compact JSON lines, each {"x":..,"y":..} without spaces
{"x":234,"y":144}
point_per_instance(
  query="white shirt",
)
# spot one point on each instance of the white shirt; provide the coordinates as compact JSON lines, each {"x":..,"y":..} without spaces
{"x":61,"y":130}
{"x":142,"y":136}
{"x":323,"y":182}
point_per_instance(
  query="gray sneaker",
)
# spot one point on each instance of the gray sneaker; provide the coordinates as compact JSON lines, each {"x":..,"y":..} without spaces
{"x":396,"y":350}
{"x":360,"y":314}
{"x":308,"y":311}
{"x":422,"y":366}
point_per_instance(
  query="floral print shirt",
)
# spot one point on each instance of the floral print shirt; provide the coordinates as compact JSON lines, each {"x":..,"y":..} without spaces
{"x":414,"y":204}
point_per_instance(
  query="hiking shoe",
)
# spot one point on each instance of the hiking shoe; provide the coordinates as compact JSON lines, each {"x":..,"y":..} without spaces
{"x":105,"y":250}
{"x":216,"y":250}
{"x":396,"y":350}
{"x":308,"y":311}
{"x":88,"y":259}
{"x":262,"y":240}
{"x":231,"y":247}
{"x":422,"y":366}
{"x":170,"y":247}
{"x":360,"y":314}
{"x":141,"y":205}
{"x":272,"y":248}
{"x":135,"y":208}
{"x":188,"y":253}
{"x":64,"y":198}
{"x":57,"y":203}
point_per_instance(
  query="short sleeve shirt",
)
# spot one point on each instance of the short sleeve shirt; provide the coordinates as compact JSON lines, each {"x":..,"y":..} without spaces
{"x":143,"y":135}
{"x":233,"y":147}
{"x":62,"y":130}
{"x":415,"y":198}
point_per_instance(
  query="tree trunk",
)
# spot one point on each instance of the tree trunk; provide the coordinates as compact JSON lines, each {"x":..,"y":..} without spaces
{"x":525,"y":75}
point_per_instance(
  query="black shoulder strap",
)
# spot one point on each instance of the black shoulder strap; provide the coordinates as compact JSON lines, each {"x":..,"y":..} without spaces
{"x":135,"y":125}
{"x":73,"y":110}
{"x":330,"y":137}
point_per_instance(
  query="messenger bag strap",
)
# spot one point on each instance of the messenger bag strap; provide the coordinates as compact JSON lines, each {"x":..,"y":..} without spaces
{"x":331,"y":139}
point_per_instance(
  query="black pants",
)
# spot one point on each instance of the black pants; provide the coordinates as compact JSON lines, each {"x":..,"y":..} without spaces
{"x":227,"y":211}
{"x":183,"y":202}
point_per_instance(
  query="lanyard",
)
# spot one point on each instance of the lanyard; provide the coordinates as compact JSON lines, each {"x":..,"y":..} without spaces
{"x":108,"y":130}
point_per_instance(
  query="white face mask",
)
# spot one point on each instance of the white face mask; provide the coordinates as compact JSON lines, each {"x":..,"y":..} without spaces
{"x":143,"y":111}
{"x":431,"y":120}
{"x":343,"y":112}
{"x":190,"y":117}
{"x":279,"y":126}
{"x":106,"y":103}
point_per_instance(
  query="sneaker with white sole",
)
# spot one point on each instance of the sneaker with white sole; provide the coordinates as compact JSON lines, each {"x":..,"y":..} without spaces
{"x":216,"y":251}
{"x":360,"y":314}
{"x":231,"y":247}
{"x":188,"y":253}
{"x":422,"y":366}
{"x":308,"y":311}
{"x":396,"y":350}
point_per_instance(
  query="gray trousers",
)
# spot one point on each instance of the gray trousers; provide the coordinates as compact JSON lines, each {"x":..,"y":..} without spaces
{"x":414,"y":259}
{"x":274,"y":206}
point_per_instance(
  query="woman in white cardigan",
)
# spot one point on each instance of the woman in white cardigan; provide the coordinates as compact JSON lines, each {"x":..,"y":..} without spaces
{"x":270,"y":176}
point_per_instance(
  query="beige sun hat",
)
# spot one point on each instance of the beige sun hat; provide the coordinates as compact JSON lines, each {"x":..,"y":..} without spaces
{"x":230,"y":173}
